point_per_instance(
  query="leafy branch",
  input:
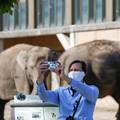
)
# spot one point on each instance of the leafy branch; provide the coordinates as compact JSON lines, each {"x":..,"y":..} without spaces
{"x":6,"y":6}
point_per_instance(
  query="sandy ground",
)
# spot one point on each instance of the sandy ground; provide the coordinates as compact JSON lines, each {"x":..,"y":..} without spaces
{"x":105,"y":109}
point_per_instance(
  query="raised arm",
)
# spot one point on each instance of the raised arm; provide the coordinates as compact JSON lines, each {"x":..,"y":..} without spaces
{"x":47,"y":95}
{"x":91,"y":92}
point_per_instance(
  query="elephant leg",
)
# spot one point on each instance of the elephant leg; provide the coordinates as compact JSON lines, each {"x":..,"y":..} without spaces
{"x":2,"y":107}
{"x":116,"y":96}
{"x":118,"y":114}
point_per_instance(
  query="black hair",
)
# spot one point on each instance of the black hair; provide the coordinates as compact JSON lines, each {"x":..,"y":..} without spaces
{"x":78,"y":61}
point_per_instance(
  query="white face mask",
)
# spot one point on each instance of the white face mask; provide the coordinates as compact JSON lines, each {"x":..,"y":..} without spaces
{"x":76,"y":75}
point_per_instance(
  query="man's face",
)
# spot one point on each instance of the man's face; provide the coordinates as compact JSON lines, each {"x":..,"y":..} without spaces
{"x":76,"y":72}
{"x":76,"y":67}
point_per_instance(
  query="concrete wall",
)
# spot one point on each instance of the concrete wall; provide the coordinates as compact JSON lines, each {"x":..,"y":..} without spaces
{"x":82,"y":37}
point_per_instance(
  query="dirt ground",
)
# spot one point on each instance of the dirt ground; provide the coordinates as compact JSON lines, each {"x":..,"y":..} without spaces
{"x":105,"y":109}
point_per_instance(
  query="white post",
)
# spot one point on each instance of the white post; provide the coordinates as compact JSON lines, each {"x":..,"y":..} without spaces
{"x":72,"y":39}
{"x":64,"y":40}
{"x":67,"y":42}
{"x":55,"y":81}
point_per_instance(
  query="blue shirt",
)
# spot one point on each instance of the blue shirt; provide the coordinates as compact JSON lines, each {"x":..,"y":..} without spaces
{"x":66,"y":102}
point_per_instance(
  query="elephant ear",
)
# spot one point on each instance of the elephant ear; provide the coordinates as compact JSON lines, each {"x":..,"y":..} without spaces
{"x":103,"y":66}
{"x":22,"y":59}
{"x":35,"y":54}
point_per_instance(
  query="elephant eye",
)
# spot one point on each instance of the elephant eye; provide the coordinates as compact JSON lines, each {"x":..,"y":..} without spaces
{"x":32,"y":68}
{"x":75,"y":69}
{"x":25,"y":68}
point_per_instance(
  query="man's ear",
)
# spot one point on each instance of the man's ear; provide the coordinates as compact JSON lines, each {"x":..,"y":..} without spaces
{"x":22,"y":59}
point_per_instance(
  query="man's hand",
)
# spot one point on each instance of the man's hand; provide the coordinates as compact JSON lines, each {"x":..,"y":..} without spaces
{"x":58,"y":69}
{"x":60,"y":72}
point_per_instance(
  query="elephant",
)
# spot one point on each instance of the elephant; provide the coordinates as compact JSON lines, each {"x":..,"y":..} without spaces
{"x":18,"y":71}
{"x":102,"y":58}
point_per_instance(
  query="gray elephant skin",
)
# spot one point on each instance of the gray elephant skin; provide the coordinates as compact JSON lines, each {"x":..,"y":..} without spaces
{"x":102,"y":58}
{"x":18,"y":71}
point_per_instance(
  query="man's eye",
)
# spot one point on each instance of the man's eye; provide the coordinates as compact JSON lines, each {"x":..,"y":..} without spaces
{"x":71,"y":69}
{"x":74,"y":70}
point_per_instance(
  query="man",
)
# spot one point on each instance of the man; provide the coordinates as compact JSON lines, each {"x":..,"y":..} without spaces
{"x":76,"y":101}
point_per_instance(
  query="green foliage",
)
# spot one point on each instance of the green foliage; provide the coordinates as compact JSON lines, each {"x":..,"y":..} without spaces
{"x":7,"y":5}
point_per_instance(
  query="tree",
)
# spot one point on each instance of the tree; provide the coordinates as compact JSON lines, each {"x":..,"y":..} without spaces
{"x":7,"y":5}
